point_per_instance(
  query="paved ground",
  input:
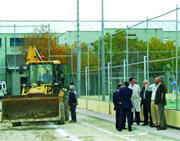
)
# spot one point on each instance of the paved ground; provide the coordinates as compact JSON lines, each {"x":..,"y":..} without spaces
{"x":170,"y":133}
{"x":87,"y":129}
{"x":91,"y":126}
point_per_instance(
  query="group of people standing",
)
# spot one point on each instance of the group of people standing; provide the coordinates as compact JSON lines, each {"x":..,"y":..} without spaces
{"x":129,"y":98}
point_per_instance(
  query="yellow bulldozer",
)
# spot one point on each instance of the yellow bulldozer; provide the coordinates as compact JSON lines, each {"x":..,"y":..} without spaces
{"x":43,"y":98}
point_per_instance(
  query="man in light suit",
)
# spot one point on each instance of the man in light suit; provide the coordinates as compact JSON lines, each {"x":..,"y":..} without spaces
{"x":135,"y":99}
{"x":124,"y":99}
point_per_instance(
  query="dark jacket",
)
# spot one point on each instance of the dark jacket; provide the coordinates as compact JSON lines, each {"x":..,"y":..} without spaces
{"x":72,"y":98}
{"x":124,"y":97}
{"x":147,"y":98}
{"x":160,"y":95}
{"x":115,"y":98}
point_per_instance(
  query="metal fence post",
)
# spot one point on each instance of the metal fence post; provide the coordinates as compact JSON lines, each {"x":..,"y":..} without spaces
{"x":124,"y":65}
{"x":49,"y":42}
{"x":111,"y":62}
{"x":109,"y":92}
{"x":103,"y":56}
{"x":86,"y":82}
{"x":147,"y":49}
{"x":177,"y":84}
{"x":15,"y":73}
{"x":99,"y":84}
{"x":145,"y":67}
{"x":127,"y":53}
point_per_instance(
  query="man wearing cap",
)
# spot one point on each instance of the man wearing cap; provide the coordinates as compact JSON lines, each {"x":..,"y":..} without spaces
{"x":73,"y":102}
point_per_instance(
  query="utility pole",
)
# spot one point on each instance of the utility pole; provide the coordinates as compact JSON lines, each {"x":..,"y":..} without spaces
{"x":78,"y":55}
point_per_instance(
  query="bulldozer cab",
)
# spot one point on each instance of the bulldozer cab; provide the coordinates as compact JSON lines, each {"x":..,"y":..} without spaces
{"x":41,"y":72}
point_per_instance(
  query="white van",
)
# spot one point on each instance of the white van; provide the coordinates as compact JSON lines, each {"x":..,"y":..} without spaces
{"x":3,"y":88}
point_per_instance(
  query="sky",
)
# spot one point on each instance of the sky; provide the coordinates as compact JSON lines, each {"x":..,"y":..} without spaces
{"x":89,"y":9}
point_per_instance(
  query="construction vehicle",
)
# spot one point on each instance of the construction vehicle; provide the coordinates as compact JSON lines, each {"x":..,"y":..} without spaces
{"x":43,"y":98}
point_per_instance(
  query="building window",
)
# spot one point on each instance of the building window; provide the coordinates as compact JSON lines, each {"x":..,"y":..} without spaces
{"x":16,"y":41}
{"x":132,"y":36}
{"x":0,"y":42}
{"x":165,"y":39}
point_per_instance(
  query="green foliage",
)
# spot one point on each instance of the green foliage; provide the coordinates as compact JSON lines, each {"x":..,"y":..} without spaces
{"x":158,"y":50}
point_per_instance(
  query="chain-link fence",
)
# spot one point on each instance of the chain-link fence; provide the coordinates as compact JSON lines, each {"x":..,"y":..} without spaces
{"x":144,"y":55}
{"x":143,"y":50}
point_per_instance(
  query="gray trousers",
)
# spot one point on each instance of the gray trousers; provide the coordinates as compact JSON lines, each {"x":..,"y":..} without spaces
{"x":162,"y":115}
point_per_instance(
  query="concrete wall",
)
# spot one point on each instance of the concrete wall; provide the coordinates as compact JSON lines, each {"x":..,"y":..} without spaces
{"x":172,"y":116}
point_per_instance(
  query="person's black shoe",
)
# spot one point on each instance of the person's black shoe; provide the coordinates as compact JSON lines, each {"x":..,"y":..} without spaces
{"x":72,"y":121}
{"x":119,"y":130}
{"x":161,"y":128}
{"x":144,"y":124}
{"x":130,"y":130}
{"x":152,"y":125}
{"x":158,"y":126}
{"x":137,"y":123}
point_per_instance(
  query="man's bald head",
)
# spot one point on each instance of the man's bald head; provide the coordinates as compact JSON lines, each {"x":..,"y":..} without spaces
{"x":145,"y":82}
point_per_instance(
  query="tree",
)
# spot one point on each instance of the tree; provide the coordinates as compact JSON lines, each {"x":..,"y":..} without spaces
{"x":158,"y":50}
{"x":93,"y":63}
{"x":40,"y":39}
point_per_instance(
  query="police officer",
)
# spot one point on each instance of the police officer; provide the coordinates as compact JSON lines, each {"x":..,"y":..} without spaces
{"x":73,"y":102}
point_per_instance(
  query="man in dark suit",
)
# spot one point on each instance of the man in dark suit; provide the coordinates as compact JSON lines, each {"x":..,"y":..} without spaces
{"x":146,"y":102}
{"x":124,"y":99}
{"x":116,"y":106}
{"x":160,"y":100}
{"x":73,"y":102}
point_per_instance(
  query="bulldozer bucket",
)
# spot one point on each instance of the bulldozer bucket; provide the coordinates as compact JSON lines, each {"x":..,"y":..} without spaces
{"x":30,"y":108}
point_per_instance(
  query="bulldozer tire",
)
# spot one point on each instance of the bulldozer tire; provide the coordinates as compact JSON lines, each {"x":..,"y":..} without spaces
{"x":16,"y":123}
{"x":66,"y":112}
{"x":62,"y":107}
